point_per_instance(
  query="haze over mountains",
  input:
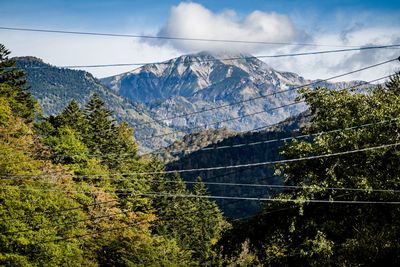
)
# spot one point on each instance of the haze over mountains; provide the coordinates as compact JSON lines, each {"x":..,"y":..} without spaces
{"x":182,"y":85}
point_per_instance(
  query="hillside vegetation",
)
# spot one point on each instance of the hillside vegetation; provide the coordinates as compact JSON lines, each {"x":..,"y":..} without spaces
{"x":237,"y":149}
{"x":71,"y":191}
{"x":55,"y":87}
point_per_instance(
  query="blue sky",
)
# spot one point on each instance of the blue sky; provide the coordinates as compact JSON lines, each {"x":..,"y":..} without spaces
{"x":334,"y":22}
{"x":146,"y":14}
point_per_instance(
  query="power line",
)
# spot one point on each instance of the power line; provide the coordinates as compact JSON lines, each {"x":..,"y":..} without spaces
{"x":296,"y":137}
{"x":271,"y":94}
{"x":157,"y":194}
{"x":67,"y":209}
{"x":223,"y":121}
{"x":279,"y":199}
{"x":216,"y":183}
{"x":249,"y":165}
{"x":178,"y":38}
{"x":233,"y":198}
{"x":88,"y":234}
{"x":254,"y":129}
{"x":34,"y":228}
{"x":173,"y":61}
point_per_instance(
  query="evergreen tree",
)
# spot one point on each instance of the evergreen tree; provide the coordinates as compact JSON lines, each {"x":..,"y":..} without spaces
{"x":73,"y":117}
{"x":9,"y":74}
{"x":195,"y":222}
{"x":13,"y":87}
{"x":209,"y":225}
{"x":101,"y":128}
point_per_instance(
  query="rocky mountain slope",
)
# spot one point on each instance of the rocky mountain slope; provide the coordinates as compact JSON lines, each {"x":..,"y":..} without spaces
{"x":201,"y":81}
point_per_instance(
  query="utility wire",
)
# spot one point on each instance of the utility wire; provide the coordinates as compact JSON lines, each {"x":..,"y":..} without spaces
{"x":162,"y":219}
{"x":187,"y":61}
{"x":156,"y":194}
{"x":35,"y":228}
{"x":89,"y":234}
{"x":52,"y":213}
{"x":296,"y":137}
{"x":11,"y":187}
{"x":278,"y":199}
{"x":251,"y":114}
{"x":223,"y":121}
{"x":249,"y":165}
{"x":254,"y":129}
{"x":178,"y":38}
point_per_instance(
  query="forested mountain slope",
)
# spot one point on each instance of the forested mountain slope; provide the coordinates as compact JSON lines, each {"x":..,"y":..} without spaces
{"x":253,"y":152}
{"x":56,"y":87}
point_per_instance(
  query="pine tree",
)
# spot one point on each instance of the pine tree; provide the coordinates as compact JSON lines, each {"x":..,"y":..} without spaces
{"x":73,"y":117}
{"x":9,"y":74}
{"x":101,"y":128}
{"x":209,"y":224}
{"x":13,"y":87}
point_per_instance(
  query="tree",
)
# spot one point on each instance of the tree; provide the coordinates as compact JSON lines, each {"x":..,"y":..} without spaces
{"x":13,"y":87}
{"x":195,"y":222}
{"x":101,"y":128}
{"x":73,"y":117}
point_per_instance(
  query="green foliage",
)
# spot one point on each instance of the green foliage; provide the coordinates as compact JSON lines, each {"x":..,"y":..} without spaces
{"x":196,"y":222}
{"x":73,"y":117}
{"x":12,"y":86}
{"x":315,"y":234}
{"x":67,"y":146}
{"x":55,"y":88}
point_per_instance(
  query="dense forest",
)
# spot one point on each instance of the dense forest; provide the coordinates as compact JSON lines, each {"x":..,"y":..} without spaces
{"x":237,"y":149}
{"x":75,"y":192}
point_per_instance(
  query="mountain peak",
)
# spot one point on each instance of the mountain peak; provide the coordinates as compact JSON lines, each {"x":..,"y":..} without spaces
{"x":224,"y":54}
{"x":29,"y":59}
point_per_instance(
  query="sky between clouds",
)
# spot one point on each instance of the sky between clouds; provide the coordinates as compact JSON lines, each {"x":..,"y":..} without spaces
{"x":336,"y":24}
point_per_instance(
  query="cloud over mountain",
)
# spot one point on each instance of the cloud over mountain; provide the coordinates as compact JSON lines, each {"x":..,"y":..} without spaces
{"x":192,"y":20}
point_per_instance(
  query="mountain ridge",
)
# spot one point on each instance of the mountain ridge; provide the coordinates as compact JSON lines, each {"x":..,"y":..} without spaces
{"x":55,"y":87}
{"x":194,"y":82}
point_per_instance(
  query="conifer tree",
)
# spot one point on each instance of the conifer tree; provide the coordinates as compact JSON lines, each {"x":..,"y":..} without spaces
{"x":209,"y":224}
{"x":101,"y":128}
{"x":73,"y":117}
{"x":13,"y":87}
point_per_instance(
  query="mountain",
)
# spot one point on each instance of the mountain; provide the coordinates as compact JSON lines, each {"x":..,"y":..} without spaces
{"x":56,"y":87}
{"x":202,"y":81}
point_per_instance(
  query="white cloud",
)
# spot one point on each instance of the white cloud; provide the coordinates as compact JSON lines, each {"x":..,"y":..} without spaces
{"x":192,"y":20}
{"x":327,"y":65}
{"x":62,"y":50}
